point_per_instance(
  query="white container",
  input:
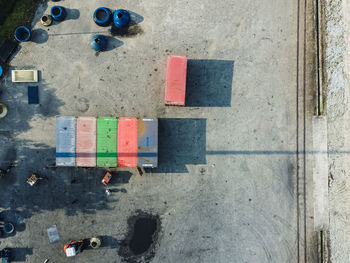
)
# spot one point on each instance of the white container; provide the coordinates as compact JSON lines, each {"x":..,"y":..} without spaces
{"x":24,"y":75}
{"x":70,"y":252}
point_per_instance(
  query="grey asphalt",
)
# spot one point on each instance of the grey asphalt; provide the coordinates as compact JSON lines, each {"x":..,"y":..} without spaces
{"x":229,"y":187}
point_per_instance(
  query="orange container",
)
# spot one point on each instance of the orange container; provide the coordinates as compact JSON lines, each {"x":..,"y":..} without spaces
{"x":86,"y":142}
{"x":176,"y":80}
{"x":106,"y":178}
{"x":127,"y":142}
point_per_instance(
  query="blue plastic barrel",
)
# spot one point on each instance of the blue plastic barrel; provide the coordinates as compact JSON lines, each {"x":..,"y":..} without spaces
{"x":22,"y":34}
{"x":121,"y":18}
{"x":58,"y":13}
{"x":102,"y":16}
{"x":1,"y":70}
{"x":8,"y":228}
{"x":98,"y":42}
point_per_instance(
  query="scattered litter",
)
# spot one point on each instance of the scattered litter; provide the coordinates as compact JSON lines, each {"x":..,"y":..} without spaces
{"x":33,"y":179}
{"x":108,"y":192}
{"x":106,"y":179}
{"x":33,"y":95}
{"x":24,"y":75}
{"x":70,"y":252}
{"x":53,"y":234}
{"x":46,"y":261}
{"x":74,"y":247}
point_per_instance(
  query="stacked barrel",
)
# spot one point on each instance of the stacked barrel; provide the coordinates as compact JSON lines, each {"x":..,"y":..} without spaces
{"x":106,"y":142}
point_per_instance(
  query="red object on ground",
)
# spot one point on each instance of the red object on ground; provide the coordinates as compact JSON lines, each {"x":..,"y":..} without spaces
{"x":127,"y":142}
{"x":73,"y":243}
{"x":106,"y":179}
{"x":176,"y":80}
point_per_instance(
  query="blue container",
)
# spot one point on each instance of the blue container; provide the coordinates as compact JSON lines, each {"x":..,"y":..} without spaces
{"x":65,"y":141}
{"x":147,"y":153}
{"x":22,"y":34}
{"x":1,"y":71}
{"x":98,"y":42}
{"x":8,"y":228}
{"x":121,"y":18}
{"x":58,"y":13}
{"x":102,"y":16}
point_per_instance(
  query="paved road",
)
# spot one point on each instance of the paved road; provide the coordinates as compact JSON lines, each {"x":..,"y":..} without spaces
{"x":231,"y":178}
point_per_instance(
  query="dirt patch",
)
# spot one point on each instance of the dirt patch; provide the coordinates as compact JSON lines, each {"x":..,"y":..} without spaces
{"x":140,"y":242}
{"x":130,"y":31}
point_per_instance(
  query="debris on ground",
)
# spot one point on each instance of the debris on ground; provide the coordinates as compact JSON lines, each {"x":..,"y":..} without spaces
{"x":106,"y":178}
{"x":53,"y":234}
{"x":33,"y":179}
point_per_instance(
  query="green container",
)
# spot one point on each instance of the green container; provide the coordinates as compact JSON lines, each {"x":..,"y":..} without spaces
{"x":106,"y":142}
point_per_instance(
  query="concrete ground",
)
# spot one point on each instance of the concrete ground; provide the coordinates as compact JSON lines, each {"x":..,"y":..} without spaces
{"x":337,"y":68}
{"x":232,"y":183}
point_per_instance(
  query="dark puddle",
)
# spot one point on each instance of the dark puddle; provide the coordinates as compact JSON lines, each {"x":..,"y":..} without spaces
{"x":139,"y":243}
{"x":129,"y":31}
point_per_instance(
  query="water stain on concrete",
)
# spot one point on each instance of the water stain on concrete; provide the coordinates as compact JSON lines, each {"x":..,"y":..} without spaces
{"x":130,"y":31}
{"x":139,"y":243}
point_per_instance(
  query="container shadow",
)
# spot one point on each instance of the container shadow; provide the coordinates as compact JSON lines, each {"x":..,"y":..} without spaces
{"x":39,"y":36}
{"x":209,"y":83}
{"x":181,"y":142}
{"x":72,"y":14}
{"x":113,"y":43}
{"x":77,"y":190}
{"x":19,"y":254}
{"x":109,"y":242}
{"x":135,"y":18}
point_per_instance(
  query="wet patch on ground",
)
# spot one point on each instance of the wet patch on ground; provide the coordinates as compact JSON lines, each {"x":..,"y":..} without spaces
{"x":140,"y":242}
{"x":130,"y":31}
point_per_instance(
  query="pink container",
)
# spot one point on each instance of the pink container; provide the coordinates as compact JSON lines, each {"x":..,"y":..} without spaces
{"x":127,"y":142}
{"x":176,"y":71}
{"x":86,"y":142}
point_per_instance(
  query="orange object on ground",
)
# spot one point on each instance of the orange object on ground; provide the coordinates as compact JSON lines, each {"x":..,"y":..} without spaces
{"x":176,"y":80}
{"x":107,"y":178}
{"x":77,"y":245}
{"x":127,"y":142}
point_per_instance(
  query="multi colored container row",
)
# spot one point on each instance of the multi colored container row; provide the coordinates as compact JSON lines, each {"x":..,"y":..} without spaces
{"x":106,"y":142}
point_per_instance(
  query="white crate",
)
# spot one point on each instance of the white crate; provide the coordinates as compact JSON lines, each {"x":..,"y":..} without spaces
{"x":24,"y":75}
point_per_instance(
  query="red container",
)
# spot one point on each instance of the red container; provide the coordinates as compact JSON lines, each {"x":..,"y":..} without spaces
{"x":127,"y":142}
{"x":86,"y":142}
{"x":176,"y":80}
